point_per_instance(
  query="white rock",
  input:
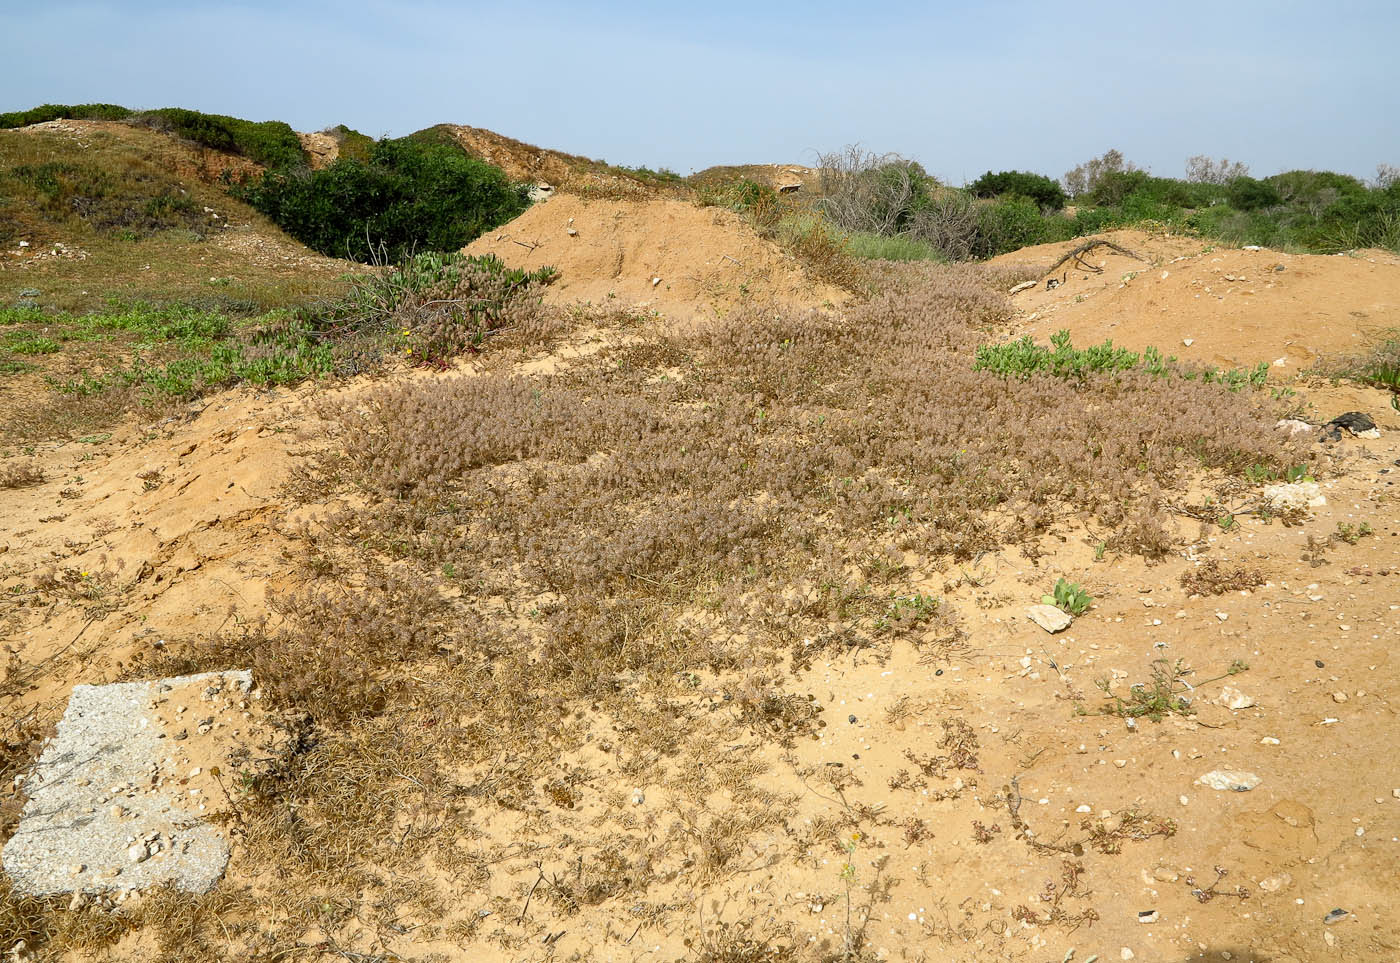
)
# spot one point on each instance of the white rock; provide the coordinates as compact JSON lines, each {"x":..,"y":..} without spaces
{"x":1232,"y":698}
{"x":1049,"y":618}
{"x":1235,"y":780}
{"x":1126,"y":953}
{"x":1188,"y":341}
{"x":1295,"y":427}
{"x":1294,"y":496}
{"x":1023,"y":286}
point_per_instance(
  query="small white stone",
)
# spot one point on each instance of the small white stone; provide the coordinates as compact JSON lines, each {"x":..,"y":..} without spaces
{"x":1232,"y":698}
{"x":1235,"y":780}
{"x":1126,"y":953}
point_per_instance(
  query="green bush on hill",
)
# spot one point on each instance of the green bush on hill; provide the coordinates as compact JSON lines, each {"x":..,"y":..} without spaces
{"x":270,"y":143}
{"x":48,"y":112}
{"x":408,"y":195}
{"x":1039,"y":188}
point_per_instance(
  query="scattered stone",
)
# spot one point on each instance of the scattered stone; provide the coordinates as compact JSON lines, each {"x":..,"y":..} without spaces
{"x":1126,"y":953}
{"x":1336,"y":916}
{"x":1023,"y":286}
{"x":1188,"y":341}
{"x":638,"y":797}
{"x":1049,"y":618}
{"x":1272,"y":884}
{"x":1232,"y":698}
{"x":1165,"y":874}
{"x":1147,"y":916}
{"x":541,"y":192}
{"x":1234,"y":780}
{"x":1339,"y":697}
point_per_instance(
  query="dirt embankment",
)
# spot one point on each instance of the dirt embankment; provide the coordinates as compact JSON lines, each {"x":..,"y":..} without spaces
{"x":662,"y":254}
{"x":1214,"y":305}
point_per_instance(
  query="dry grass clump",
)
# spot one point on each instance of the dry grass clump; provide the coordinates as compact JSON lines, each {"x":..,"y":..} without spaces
{"x":1214,"y":577}
{"x":20,"y":475}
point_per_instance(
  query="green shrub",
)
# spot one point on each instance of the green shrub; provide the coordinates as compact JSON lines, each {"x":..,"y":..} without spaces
{"x":1023,"y":358}
{"x":1248,"y":194}
{"x":1009,"y":224}
{"x":1039,"y":188}
{"x":47,"y":112}
{"x":1069,"y":597}
{"x":271,"y":143}
{"x":409,"y":195}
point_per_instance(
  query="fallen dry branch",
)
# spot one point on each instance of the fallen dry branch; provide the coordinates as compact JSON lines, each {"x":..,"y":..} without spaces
{"x":1088,"y":246}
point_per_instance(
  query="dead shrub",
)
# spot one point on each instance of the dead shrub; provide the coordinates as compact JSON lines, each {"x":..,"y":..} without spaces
{"x":1214,"y":577}
{"x":20,"y":475}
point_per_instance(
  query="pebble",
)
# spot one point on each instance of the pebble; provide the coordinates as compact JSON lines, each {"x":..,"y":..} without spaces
{"x":1165,"y":874}
{"x":1147,"y":916}
{"x":1336,"y":916}
{"x":1339,"y":697}
{"x":1126,"y":953}
{"x":1272,"y":884}
{"x":638,"y":797}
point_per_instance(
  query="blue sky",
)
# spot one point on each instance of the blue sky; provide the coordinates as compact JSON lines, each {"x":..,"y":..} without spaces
{"x":961,"y":87}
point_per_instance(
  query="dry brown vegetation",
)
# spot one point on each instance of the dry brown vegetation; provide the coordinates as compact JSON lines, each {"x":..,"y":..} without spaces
{"x":537,"y":587}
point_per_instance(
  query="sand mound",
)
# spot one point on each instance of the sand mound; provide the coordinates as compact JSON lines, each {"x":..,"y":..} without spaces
{"x":658,"y":253}
{"x":1234,"y":306}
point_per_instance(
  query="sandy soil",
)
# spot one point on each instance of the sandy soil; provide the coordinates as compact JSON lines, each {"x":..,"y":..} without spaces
{"x":195,"y":512}
{"x":1234,"y":306}
{"x":660,"y":254}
